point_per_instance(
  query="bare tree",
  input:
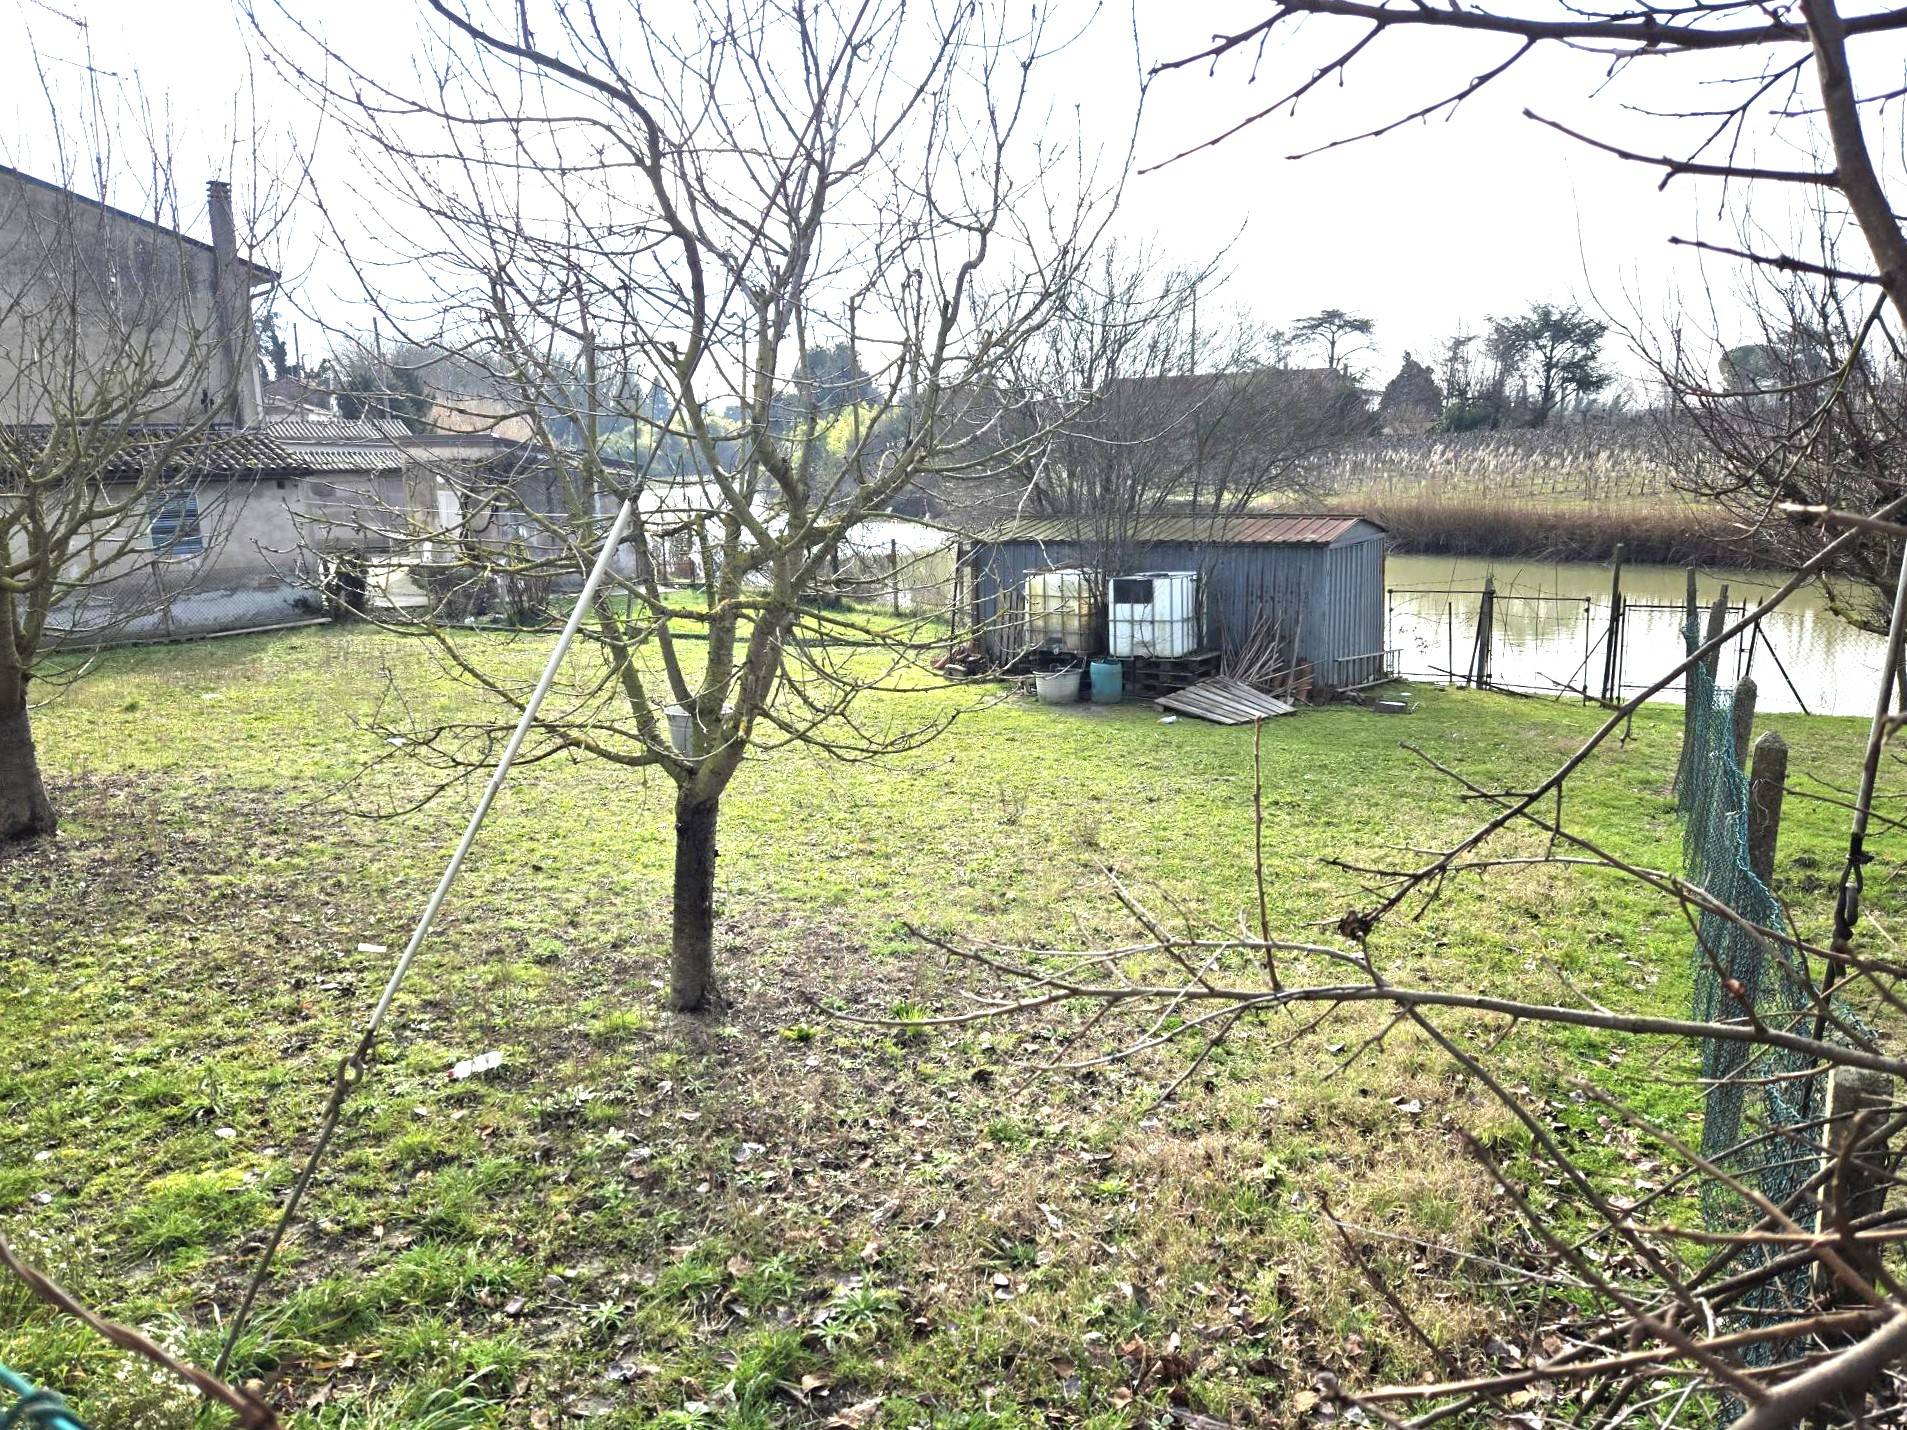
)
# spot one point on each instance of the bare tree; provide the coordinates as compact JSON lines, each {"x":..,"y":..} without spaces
{"x":1783,"y":1312}
{"x":125,"y":363}
{"x":1665,"y":1323}
{"x":1162,"y":400}
{"x":1803,"y":408}
{"x":606,"y":209}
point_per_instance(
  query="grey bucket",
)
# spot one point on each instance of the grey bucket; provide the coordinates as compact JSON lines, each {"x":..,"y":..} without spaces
{"x":682,"y":728}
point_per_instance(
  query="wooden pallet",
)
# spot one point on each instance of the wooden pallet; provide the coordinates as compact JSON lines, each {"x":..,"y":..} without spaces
{"x":1224,"y":701}
{"x":1148,"y":676}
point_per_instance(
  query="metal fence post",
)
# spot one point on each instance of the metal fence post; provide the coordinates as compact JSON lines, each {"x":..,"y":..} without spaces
{"x":1613,"y":636}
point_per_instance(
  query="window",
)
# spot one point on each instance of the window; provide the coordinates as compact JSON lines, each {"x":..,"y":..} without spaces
{"x":175,"y":525}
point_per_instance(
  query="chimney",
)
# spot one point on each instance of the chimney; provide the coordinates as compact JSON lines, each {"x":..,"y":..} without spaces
{"x":234,"y":345}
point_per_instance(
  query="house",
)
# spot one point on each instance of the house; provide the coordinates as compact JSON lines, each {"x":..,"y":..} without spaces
{"x":298,"y":399}
{"x":130,"y":398}
{"x":101,"y":296}
{"x":212,"y":547}
{"x":1316,"y":580}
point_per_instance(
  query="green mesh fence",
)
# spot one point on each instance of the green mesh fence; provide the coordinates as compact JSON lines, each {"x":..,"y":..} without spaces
{"x":1762,"y":1102}
{"x":33,"y":1409}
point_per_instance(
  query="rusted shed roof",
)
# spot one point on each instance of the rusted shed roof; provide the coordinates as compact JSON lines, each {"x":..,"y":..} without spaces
{"x":1252,"y":529}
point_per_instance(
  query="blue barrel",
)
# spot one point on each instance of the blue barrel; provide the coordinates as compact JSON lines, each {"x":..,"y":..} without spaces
{"x":1109,"y":681}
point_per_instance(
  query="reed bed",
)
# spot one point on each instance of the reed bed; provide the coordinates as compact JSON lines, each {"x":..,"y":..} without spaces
{"x":1569,"y":492}
{"x":1621,"y":459}
{"x":1667,"y":530}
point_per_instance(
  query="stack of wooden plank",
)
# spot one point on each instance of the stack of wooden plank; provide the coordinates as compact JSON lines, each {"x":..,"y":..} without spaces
{"x":1223,"y":701}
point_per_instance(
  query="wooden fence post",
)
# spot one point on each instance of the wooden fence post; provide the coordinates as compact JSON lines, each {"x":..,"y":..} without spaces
{"x":1744,"y":718}
{"x":1862,"y":1189}
{"x":953,"y":596}
{"x":1717,"y":618}
{"x":1766,"y":783}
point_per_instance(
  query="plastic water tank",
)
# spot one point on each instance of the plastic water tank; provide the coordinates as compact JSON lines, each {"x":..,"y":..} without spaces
{"x":1153,"y":613}
{"x":1057,"y":603}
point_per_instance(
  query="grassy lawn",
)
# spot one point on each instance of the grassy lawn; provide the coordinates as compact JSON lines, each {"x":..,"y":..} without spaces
{"x":771,"y":1216}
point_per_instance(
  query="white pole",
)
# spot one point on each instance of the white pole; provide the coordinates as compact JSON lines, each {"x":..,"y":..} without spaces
{"x":498,"y":775}
{"x":352,"y":1068}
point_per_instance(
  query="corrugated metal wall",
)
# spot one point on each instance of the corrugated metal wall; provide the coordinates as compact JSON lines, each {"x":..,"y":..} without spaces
{"x":1344,"y":621}
{"x":1339,"y":589}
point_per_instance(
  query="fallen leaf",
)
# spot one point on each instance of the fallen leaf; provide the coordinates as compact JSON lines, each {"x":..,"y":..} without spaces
{"x":855,"y":1416}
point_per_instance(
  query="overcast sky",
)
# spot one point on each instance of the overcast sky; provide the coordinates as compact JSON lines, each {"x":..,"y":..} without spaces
{"x":1441,"y":223}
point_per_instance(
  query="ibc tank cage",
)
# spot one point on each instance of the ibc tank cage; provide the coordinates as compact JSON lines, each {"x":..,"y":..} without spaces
{"x":1153,"y":613}
{"x":1058,"y":608}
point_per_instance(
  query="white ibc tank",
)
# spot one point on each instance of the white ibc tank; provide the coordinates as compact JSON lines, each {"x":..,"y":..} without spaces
{"x":1153,"y":613}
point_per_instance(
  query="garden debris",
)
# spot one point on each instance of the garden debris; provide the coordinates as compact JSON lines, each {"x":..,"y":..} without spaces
{"x":856,"y":1416}
{"x":1224,"y":701}
{"x":482,"y":1063}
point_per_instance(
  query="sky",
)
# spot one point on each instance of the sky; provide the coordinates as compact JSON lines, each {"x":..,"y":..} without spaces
{"x":1438,"y":225}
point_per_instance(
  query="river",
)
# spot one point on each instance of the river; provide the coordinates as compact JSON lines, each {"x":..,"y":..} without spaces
{"x":1551,"y":621}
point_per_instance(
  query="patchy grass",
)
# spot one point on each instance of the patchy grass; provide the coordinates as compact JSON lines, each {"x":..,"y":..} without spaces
{"x":774,"y":1216}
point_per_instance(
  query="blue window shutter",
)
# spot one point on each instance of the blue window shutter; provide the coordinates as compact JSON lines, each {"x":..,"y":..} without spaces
{"x":175,"y":525}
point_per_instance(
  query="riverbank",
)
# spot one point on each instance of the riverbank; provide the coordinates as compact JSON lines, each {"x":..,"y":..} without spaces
{"x":1567,"y":492}
{"x":1663,"y":531}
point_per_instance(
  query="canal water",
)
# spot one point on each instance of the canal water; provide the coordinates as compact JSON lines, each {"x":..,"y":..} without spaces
{"x":1552,"y":621}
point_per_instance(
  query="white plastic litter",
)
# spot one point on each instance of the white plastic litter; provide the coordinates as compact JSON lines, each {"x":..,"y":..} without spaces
{"x":482,"y":1063}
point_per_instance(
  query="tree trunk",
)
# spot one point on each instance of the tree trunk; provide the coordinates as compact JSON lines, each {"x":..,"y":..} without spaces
{"x":692,"y":935}
{"x":24,"y":810}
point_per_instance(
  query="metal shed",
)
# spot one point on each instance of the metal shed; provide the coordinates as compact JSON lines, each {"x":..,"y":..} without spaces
{"x":1327,"y":569}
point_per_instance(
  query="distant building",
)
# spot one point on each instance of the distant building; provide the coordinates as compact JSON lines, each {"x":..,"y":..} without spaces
{"x":299,"y":399}
{"x":1412,"y":402}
